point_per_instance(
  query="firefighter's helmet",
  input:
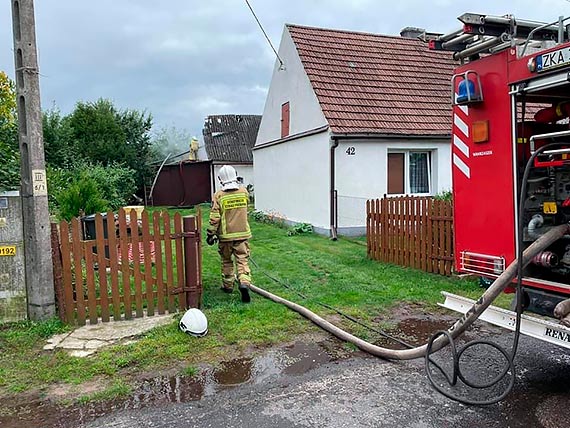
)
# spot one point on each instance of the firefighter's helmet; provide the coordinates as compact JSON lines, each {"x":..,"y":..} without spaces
{"x":228,"y":178}
{"x":194,"y":323}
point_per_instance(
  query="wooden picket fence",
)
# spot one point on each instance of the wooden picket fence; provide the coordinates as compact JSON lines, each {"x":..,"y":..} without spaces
{"x":134,"y":267}
{"x":411,"y":231}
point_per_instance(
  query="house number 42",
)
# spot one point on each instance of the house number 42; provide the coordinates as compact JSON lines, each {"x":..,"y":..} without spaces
{"x":351,"y":151}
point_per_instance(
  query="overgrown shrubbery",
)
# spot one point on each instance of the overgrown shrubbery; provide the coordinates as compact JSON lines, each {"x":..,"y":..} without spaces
{"x":300,"y":229}
{"x":279,"y":220}
{"x":80,"y":198}
{"x":87,"y":189}
{"x":446,"y":195}
{"x":269,"y":218}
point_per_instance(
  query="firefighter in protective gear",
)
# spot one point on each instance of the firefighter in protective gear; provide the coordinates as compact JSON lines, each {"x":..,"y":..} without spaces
{"x":229,"y":226}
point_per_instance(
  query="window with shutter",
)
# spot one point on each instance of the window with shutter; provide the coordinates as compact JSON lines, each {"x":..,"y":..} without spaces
{"x":285,"y":119}
{"x":395,"y":173}
{"x":409,"y":172}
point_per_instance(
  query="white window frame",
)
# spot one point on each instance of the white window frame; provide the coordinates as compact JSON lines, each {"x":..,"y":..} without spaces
{"x":406,"y":153}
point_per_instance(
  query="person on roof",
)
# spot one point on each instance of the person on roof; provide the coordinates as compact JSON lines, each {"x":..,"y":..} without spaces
{"x":229,"y":226}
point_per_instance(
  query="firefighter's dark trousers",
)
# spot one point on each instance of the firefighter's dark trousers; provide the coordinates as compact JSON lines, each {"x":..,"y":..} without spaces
{"x":238,"y":251}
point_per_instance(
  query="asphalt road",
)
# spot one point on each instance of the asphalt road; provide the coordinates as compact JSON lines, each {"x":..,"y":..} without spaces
{"x":361,"y":391}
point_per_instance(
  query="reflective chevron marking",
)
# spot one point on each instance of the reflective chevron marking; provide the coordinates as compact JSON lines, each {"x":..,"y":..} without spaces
{"x":461,"y":125}
{"x":461,"y":165}
{"x":460,"y":145}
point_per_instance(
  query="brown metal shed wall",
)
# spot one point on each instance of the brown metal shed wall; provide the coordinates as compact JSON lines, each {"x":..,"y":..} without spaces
{"x":183,"y":185}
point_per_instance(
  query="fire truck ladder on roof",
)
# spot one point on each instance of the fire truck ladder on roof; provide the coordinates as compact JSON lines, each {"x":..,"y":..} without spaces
{"x":485,"y":34}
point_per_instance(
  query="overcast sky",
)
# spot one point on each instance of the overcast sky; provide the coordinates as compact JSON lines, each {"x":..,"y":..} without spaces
{"x":184,"y":60}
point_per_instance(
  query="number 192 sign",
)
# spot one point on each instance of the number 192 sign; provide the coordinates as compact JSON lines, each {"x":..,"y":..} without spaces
{"x":7,"y":250}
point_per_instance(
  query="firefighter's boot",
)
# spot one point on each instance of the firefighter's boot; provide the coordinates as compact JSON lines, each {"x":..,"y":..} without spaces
{"x":228,"y":283}
{"x":244,"y":290}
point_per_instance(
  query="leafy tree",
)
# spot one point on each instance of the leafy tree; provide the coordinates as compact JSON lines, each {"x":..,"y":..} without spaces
{"x":9,"y":150}
{"x":101,"y":134}
{"x":96,"y":132}
{"x":137,"y":125}
{"x":7,"y":98}
{"x":58,"y":140}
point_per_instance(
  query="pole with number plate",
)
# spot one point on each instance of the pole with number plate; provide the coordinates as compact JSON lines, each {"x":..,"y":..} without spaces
{"x":37,"y":245}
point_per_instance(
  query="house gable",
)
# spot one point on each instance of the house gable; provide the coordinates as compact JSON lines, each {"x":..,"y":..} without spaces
{"x":289,"y":84}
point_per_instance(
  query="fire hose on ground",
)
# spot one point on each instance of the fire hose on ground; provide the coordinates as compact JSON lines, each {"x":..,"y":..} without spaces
{"x":442,"y":338}
{"x":454,"y":331}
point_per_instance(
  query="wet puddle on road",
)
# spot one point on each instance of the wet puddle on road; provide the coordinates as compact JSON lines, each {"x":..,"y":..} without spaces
{"x":413,"y":331}
{"x":294,"y":359}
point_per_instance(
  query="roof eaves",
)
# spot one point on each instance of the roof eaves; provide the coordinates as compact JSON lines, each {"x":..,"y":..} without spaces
{"x":313,"y":131}
{"x":346,"y":135}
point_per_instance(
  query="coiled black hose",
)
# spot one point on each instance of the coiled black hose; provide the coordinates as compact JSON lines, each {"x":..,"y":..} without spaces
{"x":509,"y":367}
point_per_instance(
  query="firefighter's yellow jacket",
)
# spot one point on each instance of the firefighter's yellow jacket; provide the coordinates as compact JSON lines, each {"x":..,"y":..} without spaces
{"x":228,"y":217}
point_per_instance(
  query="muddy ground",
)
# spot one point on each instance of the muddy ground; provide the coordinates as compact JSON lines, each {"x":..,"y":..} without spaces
{"x":320,"y":382}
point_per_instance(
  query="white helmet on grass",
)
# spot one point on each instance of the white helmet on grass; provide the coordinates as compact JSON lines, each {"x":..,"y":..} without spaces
{"x":228,"y":178}
{"x":194,"y":323}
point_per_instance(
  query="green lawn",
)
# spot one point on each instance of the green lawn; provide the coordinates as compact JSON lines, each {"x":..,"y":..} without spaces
{"x":336,"y":273}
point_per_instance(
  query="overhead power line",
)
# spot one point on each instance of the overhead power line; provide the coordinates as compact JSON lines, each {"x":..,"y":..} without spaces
{"x":281,"y":66}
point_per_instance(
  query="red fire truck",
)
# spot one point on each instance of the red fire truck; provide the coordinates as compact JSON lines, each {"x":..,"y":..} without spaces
{"x":511,"y":96}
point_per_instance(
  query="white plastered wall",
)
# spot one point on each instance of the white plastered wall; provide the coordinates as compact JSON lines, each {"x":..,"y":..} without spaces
{"x":363,"y":175}
{"x":292,"y":180}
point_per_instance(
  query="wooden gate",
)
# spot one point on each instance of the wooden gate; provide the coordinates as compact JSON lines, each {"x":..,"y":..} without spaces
{"x":134,"y":266}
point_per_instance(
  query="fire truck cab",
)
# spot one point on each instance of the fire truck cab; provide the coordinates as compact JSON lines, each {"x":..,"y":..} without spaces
{"x":511,"y":95}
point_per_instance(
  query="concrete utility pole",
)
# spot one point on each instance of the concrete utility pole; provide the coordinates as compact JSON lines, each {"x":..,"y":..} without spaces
{"x":33,"y":188}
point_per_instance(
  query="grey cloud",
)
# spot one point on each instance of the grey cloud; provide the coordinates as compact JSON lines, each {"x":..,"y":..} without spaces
{"x":185,"y":59}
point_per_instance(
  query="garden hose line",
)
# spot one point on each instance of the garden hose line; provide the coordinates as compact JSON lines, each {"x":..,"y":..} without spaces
{"x":454,"y":331}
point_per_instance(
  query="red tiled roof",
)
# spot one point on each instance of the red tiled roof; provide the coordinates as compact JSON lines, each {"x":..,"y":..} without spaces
{"x":368,"y":83}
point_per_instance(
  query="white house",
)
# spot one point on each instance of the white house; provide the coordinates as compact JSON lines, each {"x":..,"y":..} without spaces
{"x":229,"y":139}
{"x":348,"y":117}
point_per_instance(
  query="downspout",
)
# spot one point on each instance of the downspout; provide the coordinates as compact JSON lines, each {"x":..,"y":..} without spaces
{"x":333,"y":198}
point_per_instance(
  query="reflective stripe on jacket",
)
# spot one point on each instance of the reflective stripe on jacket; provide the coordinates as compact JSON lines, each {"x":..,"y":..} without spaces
{"x":228,"y":217}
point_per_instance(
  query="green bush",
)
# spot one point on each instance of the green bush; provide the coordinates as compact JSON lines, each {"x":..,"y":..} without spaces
{"x":446,"y":195}
{"x":273,"y":218}
{"x":115,"y":185}
{"x":82,"y":197}
{"x":300,"y":229}
{"x":259,"y":216}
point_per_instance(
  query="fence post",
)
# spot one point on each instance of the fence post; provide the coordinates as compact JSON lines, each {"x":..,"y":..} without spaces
{"x":57,"y":272}
{"x":192,"y":258}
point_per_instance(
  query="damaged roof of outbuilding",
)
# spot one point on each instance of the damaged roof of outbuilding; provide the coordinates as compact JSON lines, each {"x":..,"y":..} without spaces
{"x":370,"y":83}
{"x":230,"y":137}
